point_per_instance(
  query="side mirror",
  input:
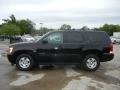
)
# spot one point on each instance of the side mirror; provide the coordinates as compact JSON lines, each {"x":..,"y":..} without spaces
{"x":44,"y":41}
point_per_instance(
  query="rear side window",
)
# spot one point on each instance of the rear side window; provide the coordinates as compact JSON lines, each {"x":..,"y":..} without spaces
{"x":73,"y":37}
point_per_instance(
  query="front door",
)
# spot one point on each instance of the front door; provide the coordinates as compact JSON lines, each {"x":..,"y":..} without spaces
{"x":49,"y":48}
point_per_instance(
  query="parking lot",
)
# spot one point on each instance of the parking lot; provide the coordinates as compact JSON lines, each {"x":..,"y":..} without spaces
{"x":107,"y":77}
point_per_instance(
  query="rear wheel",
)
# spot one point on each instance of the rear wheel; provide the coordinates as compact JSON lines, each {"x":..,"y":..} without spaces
{"x":24,"y":62}
{"x":91,"y":62}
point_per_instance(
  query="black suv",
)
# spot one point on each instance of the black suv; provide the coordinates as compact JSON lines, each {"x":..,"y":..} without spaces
{"x":84,"y":48}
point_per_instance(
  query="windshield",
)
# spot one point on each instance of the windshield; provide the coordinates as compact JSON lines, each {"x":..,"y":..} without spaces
{"x":38,"y":39}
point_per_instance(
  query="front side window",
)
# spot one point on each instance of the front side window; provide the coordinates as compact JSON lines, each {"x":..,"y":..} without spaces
{"x":55,"y":38}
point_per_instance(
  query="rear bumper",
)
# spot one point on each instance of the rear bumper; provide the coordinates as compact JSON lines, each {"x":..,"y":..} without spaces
{"x":107,"y":57}
{"x":11,"y":59}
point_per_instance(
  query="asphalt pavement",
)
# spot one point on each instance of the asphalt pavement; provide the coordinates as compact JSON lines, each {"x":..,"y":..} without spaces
{"x":107,"y":77}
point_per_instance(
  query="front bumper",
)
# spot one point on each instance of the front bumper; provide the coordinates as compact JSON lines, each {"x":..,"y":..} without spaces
{"x":107,"y":57}
{"x":11,"y":59}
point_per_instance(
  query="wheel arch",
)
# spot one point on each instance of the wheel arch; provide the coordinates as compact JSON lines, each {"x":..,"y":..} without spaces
{"x":93,"y":51}
{"x":19,"y":52}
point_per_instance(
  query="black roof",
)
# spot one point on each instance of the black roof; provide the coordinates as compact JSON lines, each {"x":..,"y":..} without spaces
{"x":75,"y":31}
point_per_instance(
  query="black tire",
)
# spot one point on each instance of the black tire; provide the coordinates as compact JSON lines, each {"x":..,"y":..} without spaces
{"x":115,"y":42}
{"x":86,"y":62}
{"x":30,"y":65}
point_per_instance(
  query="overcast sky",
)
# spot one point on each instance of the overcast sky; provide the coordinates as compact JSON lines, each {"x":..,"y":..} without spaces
{"x":53,"y":13}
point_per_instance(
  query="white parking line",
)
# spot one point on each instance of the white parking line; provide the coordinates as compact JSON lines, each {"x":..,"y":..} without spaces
{"x":26,"y":78}
{"x":71,"y":72}
{"x":84,"y":83}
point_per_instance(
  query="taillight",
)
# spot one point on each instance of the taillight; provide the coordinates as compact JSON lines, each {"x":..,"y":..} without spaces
{"x":110,"y":48}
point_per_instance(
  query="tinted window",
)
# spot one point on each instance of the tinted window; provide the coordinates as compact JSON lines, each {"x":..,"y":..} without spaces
{"x":97,"y":36}
{"x":73,"y":37}
{"x":55,"y":38}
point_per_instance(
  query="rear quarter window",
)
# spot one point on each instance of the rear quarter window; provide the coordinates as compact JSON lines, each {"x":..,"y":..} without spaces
{"x":97,"y":36}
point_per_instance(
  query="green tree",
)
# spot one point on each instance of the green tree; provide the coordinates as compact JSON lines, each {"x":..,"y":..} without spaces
{"x":84,"y":28}
{"x":26,"y":26}
{"x":65,"y":27}
{"x":42,"y":31}
{"x":9,"y":29}
{"x":12,"y":19}
{"x":110,"y":28}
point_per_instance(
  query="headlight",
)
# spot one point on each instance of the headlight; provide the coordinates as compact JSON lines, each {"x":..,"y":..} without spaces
{"x":10,"y":49}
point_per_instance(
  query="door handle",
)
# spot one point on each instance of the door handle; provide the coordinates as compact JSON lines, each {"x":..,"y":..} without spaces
{"x":56,"y":48}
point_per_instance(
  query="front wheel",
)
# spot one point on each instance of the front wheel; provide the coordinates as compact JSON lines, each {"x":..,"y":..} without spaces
{"x":91,"y":62}
{"x":24,"y":62}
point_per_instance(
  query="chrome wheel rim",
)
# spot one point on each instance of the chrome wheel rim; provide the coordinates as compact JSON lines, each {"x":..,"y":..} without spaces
{"x":24,"y":62}
{"x":91,"y":63}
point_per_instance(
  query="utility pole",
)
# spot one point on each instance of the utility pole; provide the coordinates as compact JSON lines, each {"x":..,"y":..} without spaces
{"x":41,"y":28}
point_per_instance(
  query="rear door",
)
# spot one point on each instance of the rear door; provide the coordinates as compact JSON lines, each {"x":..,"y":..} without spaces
{"x":71,"y":49}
